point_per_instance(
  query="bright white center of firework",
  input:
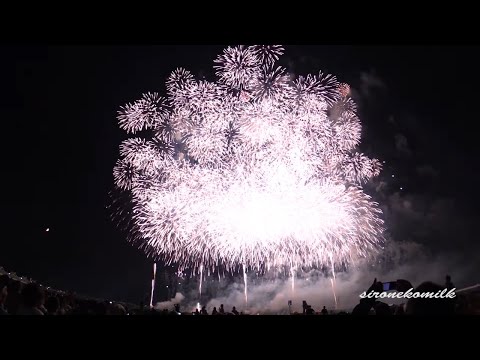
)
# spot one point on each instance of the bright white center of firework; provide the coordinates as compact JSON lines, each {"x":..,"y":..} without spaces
{"x":275,"y":215}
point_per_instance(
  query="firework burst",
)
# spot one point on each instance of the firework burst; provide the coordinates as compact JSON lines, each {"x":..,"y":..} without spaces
{"x":255,"y":169}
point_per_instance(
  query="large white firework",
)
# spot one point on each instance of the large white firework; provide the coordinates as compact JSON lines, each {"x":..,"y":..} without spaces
{"x":257,"y":169}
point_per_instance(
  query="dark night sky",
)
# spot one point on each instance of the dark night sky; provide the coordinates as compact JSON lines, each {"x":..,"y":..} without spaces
{"x":418,"y":105}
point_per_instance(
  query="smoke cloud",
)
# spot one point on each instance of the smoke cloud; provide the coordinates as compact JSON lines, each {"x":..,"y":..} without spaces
{"x":405,"y":260}
{"x":168,"y":305}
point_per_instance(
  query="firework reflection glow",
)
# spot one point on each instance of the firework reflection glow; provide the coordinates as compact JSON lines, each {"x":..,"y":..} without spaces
{"x":255,"y":170}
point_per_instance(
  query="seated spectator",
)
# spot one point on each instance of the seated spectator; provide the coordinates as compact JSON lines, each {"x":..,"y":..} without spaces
{"x":52,"y":305}
{"x":4,"y":281}
{"x":400,"y":310}
{"x":32,"y":299}
{"x":382,"y":308}
{"x":116,"y":309}
{"x":429,"y":306}
{"x":14,"y":298}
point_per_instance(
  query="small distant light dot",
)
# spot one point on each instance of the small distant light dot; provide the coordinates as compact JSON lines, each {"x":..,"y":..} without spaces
{"x":178,"y":283}
{"x":47,"y":229}
{"x":393,"y":175}
{"x":384,"y":161}
{"x":401,"y":188}
{"x":167,"y":286}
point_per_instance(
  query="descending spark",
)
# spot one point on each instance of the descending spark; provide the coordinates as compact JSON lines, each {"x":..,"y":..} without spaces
{"x":333,"y":290}
{"x":292,"y":272}
{"x":333,"y":280}
{"x":153,"y":283}
{"x":201,"y":280}
{"x":257,"y":169}
{"x":245,"y":284}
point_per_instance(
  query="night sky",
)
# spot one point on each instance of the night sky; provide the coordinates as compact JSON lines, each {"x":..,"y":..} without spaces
{"x":417,"y":104}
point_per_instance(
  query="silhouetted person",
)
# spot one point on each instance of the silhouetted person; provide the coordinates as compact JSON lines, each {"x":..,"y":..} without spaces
{"x":428,"y":306}
{"x":448,"y":283}
{"x":196,"y":312}
{"x":363,"y":308}
{"x":214,"y":312}
{"x":399,"y":310}
{"x":324,"y":311}
{"x":4,"y":281}
{"x":33,"y":298}
{"x":204,"y":311}
{"x":52,"y":305}
{"x":14,"y":298}
{"x":310,"y":310}
{"x":234,"y":311}
{"x":221,"y":310}
{"x":100,"y":308}
{"x":177,"y":308}
{"x":382,"y":308}
{"x":305,"y":307}
{"x":115,"y":309}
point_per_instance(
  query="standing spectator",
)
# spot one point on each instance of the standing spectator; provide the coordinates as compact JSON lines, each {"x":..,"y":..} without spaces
{"x":324,"y":311}
{"x":448,"y":283}
{"x":304,"y":306}
{"x":221,"y":310}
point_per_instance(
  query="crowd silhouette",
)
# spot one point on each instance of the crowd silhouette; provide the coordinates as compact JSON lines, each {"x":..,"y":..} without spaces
{"x":19,"y":298}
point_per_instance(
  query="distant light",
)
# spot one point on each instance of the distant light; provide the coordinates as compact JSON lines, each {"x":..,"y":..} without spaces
{"x":47,"y":229}
{"x":393,"y":175}
{"x":167,"y":286}
{"x":178,"y":283}
{"x":401,"y":188}
{"x":384,"y":161}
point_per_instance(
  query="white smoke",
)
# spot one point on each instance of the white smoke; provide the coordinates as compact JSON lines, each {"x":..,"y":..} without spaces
{"x":169,"y":305}
{"x":409,"y":261}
